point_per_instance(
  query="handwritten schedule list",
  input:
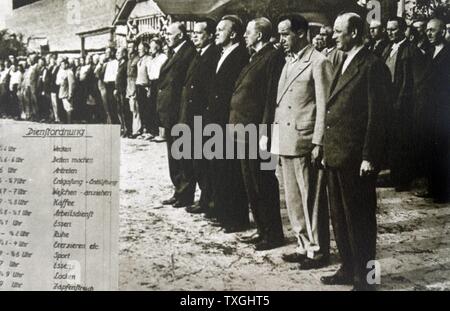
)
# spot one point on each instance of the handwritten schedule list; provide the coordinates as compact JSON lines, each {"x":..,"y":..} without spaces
{"x":59,"y":200}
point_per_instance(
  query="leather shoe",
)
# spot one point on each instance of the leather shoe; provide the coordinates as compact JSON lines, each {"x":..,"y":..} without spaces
{"x":180,"y":204}
{"x":265,"y":245}
{"x":337,"y":279}
{"x":170,"y":201}
{"x":294,"y":258}
{"x":312,"y":264}
{"x":423,"y":195}
{"x":195,"y":209}
{"x":251,"y":240}
{"x":236,"y":229}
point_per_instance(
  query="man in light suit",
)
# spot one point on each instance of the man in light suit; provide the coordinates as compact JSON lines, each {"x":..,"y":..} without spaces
{"x":353,"y":147}
{"x":300,"y":119}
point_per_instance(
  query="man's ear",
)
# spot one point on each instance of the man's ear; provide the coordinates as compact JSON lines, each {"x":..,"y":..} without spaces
{"x":233,"y":35}
{"x":354,"y":34}
{"x":260,"y":36}
{"x":301,"y":34}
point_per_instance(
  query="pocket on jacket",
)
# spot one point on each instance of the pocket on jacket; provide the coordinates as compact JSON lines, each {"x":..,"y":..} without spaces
{"x":305,"y":126}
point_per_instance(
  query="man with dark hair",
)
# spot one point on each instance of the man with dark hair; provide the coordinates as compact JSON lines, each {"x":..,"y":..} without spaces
{"x":120,"y":91}
{"x":156,"y":63}
{"x":142,"y":87}
{"x":132,"y":72}
{"x":403,"y":60}
{"x":438,"y":125}
{"x":331,"y":51}
{"x":378,"y":40}
{"x":421,"y":40}
{"x":353,"y":146}
{"x":300,"y":117}
{"x":4,"y":89}
{"x":111,"y":67}
{"x":32,"y":87}
{"x":170,"y":86}
{"x":253,"y":103}
{"x":194,"y":98}
{"x":237,"y":26}
{"x":230,"y":205}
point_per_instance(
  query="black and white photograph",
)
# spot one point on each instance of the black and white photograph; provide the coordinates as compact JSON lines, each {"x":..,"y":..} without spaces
{"x":224,"y":145}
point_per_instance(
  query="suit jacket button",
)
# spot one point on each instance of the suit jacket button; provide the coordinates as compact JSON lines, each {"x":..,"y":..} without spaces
{"x":328,"y":127}
{"x":192,"y":86}
{"x":289,"y":124}
{"x":290,"y":107}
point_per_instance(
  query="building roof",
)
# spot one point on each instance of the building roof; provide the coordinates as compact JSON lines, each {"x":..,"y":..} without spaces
{"x":135,"y":8}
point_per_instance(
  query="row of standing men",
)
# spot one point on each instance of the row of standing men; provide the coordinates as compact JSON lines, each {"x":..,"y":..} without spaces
{"x":332,"y":128}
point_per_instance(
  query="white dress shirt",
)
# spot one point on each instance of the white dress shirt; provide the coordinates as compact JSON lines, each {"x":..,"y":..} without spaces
{"x":203,"y":51}
{"x":16,"y":79}
{"x":225,"y":54}
{"x":396,"y":46}
{"x":111,"y":71}
{"x":154,"y":68}
{"x":437,"y":50}
{"x":350,"y":56}
{"x":175,"y":50}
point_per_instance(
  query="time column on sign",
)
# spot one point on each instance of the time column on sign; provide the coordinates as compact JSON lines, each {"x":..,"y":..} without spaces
{"x":14,"y":211}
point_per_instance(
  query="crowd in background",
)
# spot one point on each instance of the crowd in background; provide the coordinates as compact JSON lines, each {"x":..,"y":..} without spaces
{"x":347,"y":107}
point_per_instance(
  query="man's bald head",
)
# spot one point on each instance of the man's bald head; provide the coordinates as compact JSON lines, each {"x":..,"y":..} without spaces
{"x":436,"y":31}
{"x":176,"y":34}
{"x":348,"y":31}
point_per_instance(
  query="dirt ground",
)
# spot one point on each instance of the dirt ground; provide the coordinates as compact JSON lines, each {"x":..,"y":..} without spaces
{"x":162,"y":248}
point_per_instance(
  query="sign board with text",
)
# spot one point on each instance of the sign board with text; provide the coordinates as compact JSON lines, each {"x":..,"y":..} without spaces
{"x":59,"y":207}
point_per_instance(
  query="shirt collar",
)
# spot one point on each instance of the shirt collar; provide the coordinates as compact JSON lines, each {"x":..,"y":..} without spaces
{"x":395,"y":46}
{"x":352,"y":53}
{"x":297,"y":56}
{"x":203,"y":50}
{"x":438,"y":49}
{"x":175,"y":50}
{"x":329,"y":50}
{"x":230,"y":48}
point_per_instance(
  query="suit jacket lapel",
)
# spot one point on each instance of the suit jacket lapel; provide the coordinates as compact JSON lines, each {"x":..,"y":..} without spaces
{"x":175,"y":58}
{"x":299,"y":68}
{"x":349,"y":74}
{"x":228,"y":59}
{"x":247,"y":68}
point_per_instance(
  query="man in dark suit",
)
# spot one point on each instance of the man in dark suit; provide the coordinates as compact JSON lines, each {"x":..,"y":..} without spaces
{"x":230,"y":205}
{"x":353,"y":146}
{"x":253,"y":103}
{"x":438,"y":124}
{"x":120,"y":91}
{"x":404,"y":61}
{"x":194,"y":98}
{"x":378,"y":39}
{"x":422,"y":41}
{"x":170,"y":85}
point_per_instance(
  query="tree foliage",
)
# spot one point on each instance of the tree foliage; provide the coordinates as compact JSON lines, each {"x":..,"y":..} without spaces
{"x":432,"y":8}
{"x":11,"y":44}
